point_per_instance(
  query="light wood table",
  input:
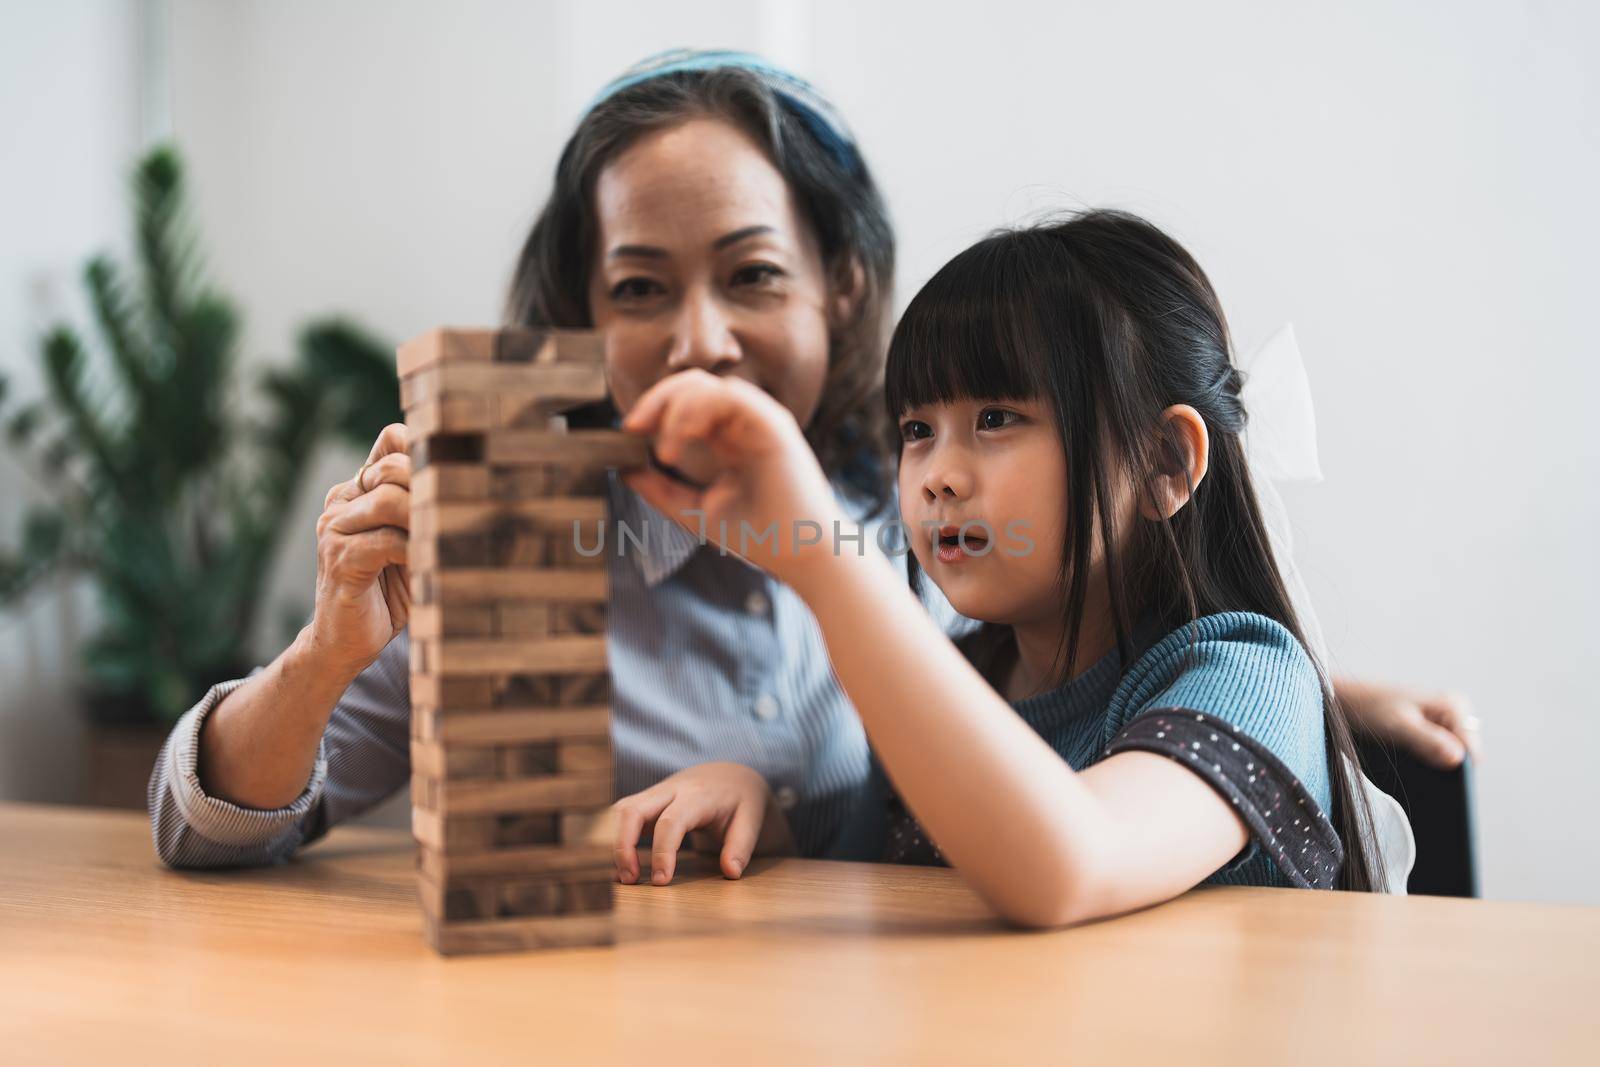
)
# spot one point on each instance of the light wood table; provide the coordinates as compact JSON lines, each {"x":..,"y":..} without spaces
{"x":106,"y":957}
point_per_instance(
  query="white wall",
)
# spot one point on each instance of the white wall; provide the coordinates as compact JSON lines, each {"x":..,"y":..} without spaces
{"x":71,"y":117}
{"x":1411,"y":185}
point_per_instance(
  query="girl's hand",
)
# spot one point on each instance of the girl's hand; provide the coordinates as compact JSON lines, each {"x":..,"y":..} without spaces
{"x":767,"y":496}
{"x":1438,"y":728}
{"x":729,"y":800}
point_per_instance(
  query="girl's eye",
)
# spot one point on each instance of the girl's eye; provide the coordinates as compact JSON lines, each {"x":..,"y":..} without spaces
{"x":915,"y":430}
{"x":756,"y":274}
{"x":629,"y":289}
{"x":996,"y":418}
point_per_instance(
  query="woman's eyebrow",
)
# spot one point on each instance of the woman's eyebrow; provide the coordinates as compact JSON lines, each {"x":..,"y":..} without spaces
{"x":652,"y":252}
{"x":637,"y":252}
{"x":740,"y":235}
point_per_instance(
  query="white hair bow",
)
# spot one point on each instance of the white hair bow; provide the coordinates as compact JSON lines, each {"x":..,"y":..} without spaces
{"x":1280,"y":445}
{"x":1280,"y":437}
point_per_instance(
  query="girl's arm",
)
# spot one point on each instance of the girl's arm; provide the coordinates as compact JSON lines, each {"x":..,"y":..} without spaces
{"x":1043,"y":845}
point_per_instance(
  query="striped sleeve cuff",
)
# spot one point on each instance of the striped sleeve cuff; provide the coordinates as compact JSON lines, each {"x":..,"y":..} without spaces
{"x":1284,"y":820}
{"x":220,"y":821}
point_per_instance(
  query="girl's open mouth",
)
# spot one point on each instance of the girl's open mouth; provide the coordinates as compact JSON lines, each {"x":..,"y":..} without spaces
{"x":954,"y":546}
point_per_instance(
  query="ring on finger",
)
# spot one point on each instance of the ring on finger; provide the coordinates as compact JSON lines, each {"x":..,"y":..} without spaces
{"x":361,"y":476}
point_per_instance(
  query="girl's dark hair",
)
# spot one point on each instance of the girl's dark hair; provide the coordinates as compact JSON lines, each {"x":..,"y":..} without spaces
{"x":1110,"y":321}
{"x":835,"y":194}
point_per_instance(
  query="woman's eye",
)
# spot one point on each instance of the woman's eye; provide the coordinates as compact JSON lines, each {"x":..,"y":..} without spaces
{"x":914,"y":430}
{"x":756,"y":274}
{"x":996,"y":418}
{"x":635,"y":289}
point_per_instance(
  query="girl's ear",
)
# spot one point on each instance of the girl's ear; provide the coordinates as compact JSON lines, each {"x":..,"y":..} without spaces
{"x":848,"y":286}
{"x":1183,"y":449}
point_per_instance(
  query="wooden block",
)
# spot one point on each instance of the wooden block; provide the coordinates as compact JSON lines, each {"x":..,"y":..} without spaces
{"x":517,"y":534}
{"x":481,"y":397}
{"x":525,"y":620}
{"x":500,"y":656}
{"x":434,"y":691}
{"x":589,"y":829}
{"x":449,"y":481}
{"x":479,"y":482}
{"x":583,"y":689}
{"x":456,"y":761}
{"x":455,"y":345}
{"x":585,"y":755}
{"x":515,"y":895}
{"x":469,"y":585}
{"x":544,"y":515}
{"x":452,"y":619}
{"x":533,"y":760}
{"x":513,"y":726}
{"x":514,"y":935}
{"x":516,"y":860}
{"x":551,"y":793}
{"x":478,"y":833}
{"x":577,"y":619}
{"x":425,"y":451}
{"x":589,"y":448}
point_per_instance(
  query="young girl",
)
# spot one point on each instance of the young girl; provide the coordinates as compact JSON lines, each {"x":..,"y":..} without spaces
{"x":1138,"y":712}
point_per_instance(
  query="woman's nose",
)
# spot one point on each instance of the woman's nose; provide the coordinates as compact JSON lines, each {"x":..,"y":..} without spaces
{"x":703,"y":337}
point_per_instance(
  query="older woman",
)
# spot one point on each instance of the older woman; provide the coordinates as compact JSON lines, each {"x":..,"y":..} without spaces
{"x":710,"y":211}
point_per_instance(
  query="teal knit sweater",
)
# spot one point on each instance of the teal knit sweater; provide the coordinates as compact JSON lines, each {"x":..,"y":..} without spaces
{"x":1234,"y":697}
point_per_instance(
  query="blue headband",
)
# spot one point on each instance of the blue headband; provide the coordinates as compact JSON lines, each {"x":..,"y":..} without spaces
{"x":795,"y":93}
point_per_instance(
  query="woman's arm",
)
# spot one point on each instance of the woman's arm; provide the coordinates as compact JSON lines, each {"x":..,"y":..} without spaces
{"x":1438,"y":727}
{"x":240,"y":771}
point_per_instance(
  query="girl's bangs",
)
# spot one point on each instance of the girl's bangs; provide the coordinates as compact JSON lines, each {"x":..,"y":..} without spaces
{"x":974,"y":331}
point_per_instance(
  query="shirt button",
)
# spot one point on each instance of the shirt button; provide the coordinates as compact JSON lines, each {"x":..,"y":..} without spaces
{"x":757,"y":603}
{"x":786,"y":798}
{"x":767,"y":707}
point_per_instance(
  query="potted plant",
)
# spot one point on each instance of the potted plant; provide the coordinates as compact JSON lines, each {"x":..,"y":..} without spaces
{"x":166,"y":482}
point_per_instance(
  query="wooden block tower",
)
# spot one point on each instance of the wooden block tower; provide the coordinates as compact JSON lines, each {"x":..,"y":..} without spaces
{"x":510,"y":695}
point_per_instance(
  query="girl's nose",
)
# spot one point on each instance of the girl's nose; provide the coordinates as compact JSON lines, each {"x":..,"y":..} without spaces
{"x":703,"y":337}
{"x":946,"y":479}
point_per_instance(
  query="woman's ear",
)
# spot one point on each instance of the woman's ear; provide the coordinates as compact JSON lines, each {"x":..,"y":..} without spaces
{"x":1182,"y":450}
{"x":849,"y":284}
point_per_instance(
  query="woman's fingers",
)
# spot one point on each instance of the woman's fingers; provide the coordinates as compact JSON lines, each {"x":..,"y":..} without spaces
{"x":1453,"y":712}
{"x":361,"y":557}
{"x":739,"y":844}
{"x":384,"y":505}
{"x":1432,"y":743}
{"x":391,"y":439}
{"x":392,"y":469}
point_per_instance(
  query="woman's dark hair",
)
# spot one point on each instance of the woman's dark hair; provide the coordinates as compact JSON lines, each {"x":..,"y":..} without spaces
{"x":835,"y":194}
{"x":1109,"y":321}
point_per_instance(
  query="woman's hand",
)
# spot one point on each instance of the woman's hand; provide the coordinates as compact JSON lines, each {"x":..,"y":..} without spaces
{"x":363,"y":598}
{"x":1438,"y":728}
{"x":729,"y":800}
{"x":767,"y":499}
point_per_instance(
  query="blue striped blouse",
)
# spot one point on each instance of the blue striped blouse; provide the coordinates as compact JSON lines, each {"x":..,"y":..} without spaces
{"x":712,"y":660}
